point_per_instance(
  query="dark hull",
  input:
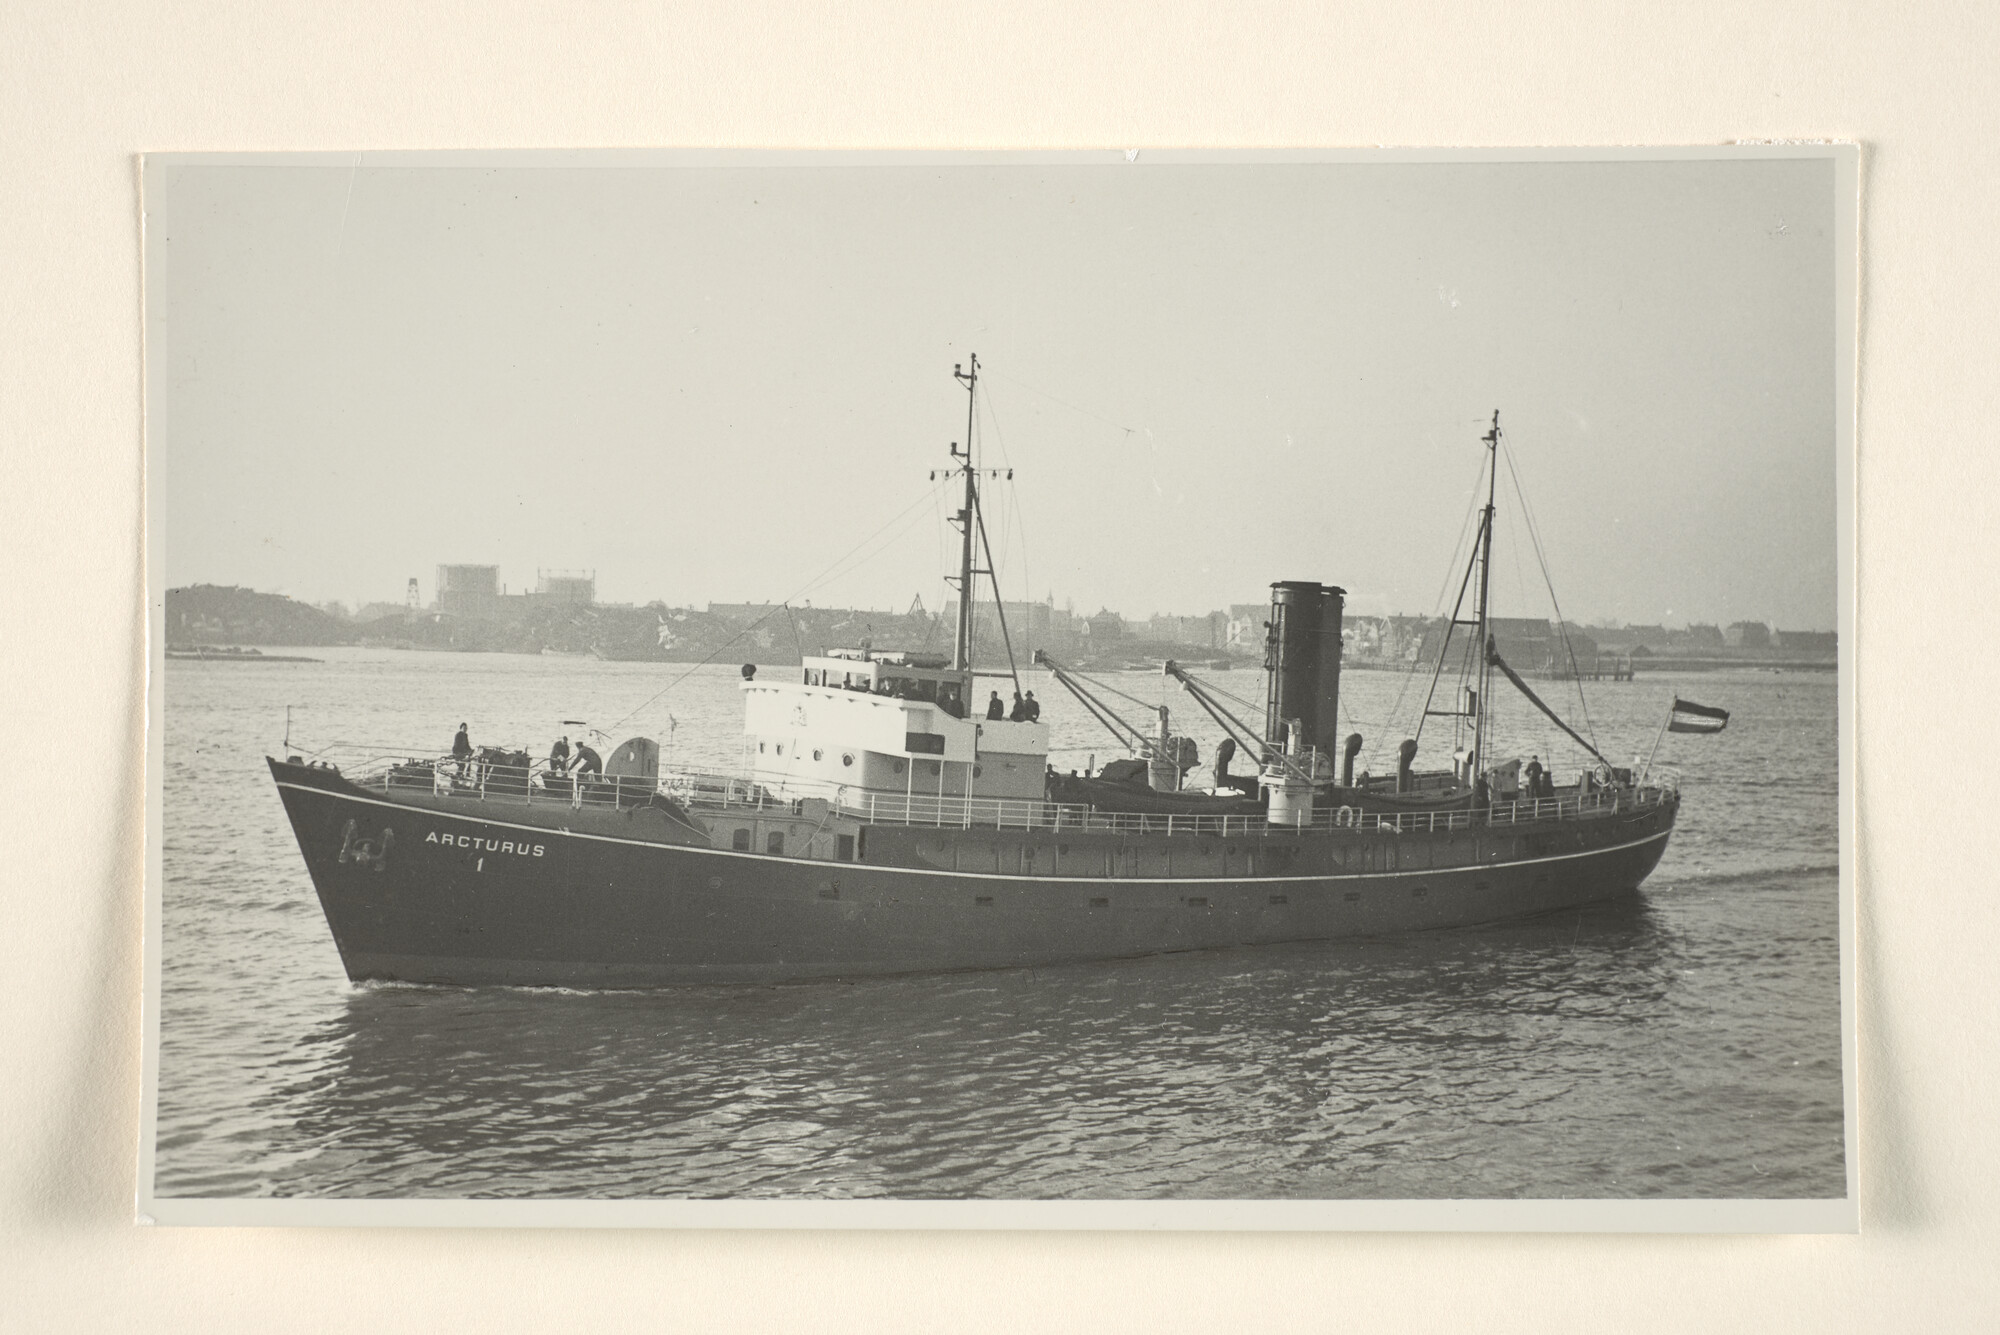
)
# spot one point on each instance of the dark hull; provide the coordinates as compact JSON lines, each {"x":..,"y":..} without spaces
{"x":469,"y":894}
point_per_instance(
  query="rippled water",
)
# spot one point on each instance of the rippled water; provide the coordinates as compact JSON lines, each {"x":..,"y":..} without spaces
{"x":1681,"y":1043}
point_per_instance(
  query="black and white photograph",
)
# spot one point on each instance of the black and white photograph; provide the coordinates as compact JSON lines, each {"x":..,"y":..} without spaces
{"x":1101,"y":689}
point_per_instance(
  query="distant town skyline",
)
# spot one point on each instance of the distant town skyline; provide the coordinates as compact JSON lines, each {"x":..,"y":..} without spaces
{"x":428,"y":600}
{"x":731,"y":383}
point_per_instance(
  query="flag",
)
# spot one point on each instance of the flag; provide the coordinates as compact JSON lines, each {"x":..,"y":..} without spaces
{"x":1690,"y":717}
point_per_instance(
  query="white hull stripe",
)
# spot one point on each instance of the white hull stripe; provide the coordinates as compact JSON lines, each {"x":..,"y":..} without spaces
{"x":1433,"y":872}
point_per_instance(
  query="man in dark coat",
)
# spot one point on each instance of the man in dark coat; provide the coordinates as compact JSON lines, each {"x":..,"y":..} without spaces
{"x":587,"y":760}
{"x":559,"y":756}
{"x":1019,"y":714}
{"x":1532,"y":772}
{"x":994,"y":709}
{"x":461,"y":745}
{"x":1033,"y":707}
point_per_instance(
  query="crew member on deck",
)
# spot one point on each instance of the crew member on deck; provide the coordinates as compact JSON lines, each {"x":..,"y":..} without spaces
{"x":1532,"y":772}
{"x":559,"y":756}
{"x":1019,"y":714}
{"x":461,"y":746}
{"x":1033,"y":707}
{"x":587,"y":760}
{"x":994,"y":709}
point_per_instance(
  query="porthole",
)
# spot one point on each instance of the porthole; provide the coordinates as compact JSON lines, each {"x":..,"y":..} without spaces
{"x":932,"y":767}
{"x":781,"y":748}
{"x":901,"y":766}
{"x":760,"y":748}
{"x":847,"y":758}
{"x":978,"y":770}
{"x":816,"y":755}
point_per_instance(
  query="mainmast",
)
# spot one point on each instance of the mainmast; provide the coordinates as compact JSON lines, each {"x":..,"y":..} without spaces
{"x":961,"y":650}
{"x":1485,"y":669}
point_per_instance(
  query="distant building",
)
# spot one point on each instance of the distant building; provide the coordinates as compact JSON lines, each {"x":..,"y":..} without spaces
{"x":1624,"y":639}
{"x":1703,"y":636}
{"x":1210,"y":628}
{"x":576,"y":588}
{"x":478,"y":581}
{"x":1813,"y":643}
{"x":1105,"y":627}
{"x":1244,"y":625}
{"x":1412,"y":639}
{"x":1030,"y":626}
{"x":469,"y":591}
{"x":1529,"y":644}
{"x":1363,"y":637}
{"x":1747,"y":635}
{"x":1208,"y":631}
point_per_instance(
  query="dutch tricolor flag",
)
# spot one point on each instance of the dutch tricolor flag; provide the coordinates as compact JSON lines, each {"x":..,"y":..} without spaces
{"x":1689,"y":717}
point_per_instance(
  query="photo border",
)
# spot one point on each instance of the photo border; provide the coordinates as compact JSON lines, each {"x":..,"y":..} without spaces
{"x":1580,"y":1215}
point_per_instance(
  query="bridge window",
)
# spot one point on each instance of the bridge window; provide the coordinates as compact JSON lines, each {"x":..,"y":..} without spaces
{"x":740,"y":841}
{"x":774,"y":842}
{"x":844,"y":847}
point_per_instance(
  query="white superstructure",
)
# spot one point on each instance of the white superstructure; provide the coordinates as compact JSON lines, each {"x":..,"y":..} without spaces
{"x":899,"y":723}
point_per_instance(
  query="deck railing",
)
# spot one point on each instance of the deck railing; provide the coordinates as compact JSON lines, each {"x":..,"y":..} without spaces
{"x":539,"y":784}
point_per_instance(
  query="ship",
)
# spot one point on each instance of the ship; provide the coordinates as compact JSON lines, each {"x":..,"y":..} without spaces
{"x":884,"y":820}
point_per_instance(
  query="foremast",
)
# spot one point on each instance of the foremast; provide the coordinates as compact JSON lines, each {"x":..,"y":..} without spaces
{"x":961,"y":645}
{"x":970,"y":521}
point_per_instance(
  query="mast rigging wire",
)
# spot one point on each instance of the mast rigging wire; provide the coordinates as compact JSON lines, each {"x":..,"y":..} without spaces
{"x":1562,"y":623}
{"x":1465,"y":527}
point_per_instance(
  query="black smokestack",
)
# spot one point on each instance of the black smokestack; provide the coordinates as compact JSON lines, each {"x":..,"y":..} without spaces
{"x":1302,"y":654}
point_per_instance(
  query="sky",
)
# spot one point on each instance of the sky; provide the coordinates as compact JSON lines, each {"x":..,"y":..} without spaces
{"x":731,"y":381}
